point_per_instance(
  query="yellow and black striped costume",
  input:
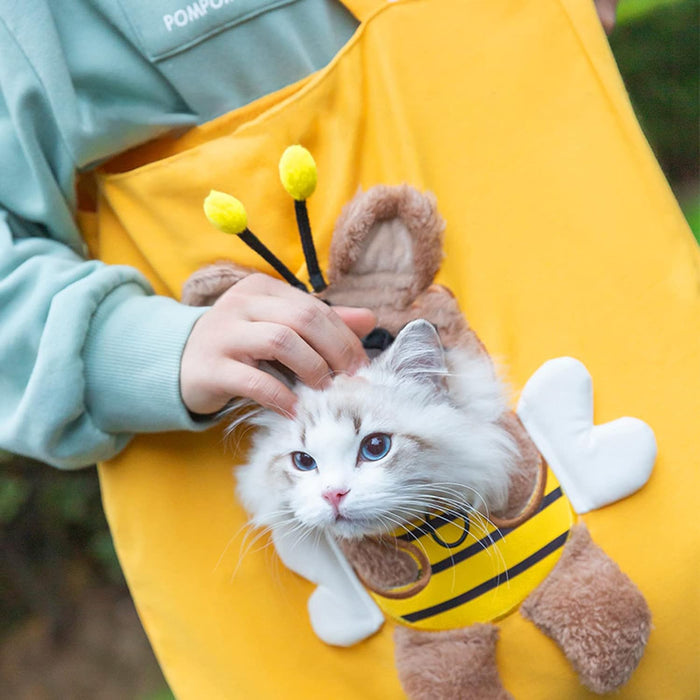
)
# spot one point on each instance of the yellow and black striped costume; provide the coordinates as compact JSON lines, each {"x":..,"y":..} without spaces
{"x":479,"y":572}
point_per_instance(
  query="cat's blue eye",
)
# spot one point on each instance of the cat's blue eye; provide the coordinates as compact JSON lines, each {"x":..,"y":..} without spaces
{"x":375,"y":447}
{"x":303,"y":462}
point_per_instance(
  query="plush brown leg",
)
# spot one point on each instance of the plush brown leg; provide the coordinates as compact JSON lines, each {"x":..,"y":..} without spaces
{"x":594,"y":612}
{"x":454,"y":665}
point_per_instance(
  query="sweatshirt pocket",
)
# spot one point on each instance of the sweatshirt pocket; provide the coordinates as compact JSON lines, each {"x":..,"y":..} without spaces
{"x":167,"y":27}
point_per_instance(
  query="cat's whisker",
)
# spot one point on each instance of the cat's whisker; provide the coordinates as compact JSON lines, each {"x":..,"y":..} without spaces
{"x":246,"y":526}
{"x":248,"y":547}
{"x":336,"y":373}
{"x":300,"y":536}
{"x":251,"y":531}
{"x":306,"y":533}
{"x":428,"y":502}
{"x":241,"y":434}
{"x":242,"y":410}
{"x":451,"y":554}
{"x":275,"y":520}
{"x":296,"y":529}
{"x":458,"y":489}
{"x":492,"y":549}
{"x":398,"y":523}
{"x":265,"y":547}
{"x":455,"y":502}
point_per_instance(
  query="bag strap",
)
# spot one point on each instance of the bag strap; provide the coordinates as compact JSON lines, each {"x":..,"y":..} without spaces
{"x":362,"y":9}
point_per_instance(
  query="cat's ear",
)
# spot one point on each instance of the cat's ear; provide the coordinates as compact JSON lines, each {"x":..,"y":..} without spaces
{"x":417,"y":355}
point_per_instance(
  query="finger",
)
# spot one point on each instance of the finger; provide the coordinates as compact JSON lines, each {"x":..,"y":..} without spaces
{"x":271,"y":341}
{"x":261,"y":284}
{"x":316,"y":323}
{"x":239,"y":379}
{"x":359,"y":321}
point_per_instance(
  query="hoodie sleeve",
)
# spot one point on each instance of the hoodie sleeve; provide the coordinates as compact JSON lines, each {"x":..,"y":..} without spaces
{"x":88,"y":354}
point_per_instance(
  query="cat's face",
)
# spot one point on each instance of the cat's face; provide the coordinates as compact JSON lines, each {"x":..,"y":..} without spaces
{"x":350,"y":460}
{"x":375,"y":451}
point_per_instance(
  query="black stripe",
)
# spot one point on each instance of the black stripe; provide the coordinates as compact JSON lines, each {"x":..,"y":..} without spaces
{"x":426,"y":526}
{"x":470,"y":551}
{"x":553,"y":495}
{"x":492,"y":538}
{"x":492,"y":583}
{"x":448,"y":517}
{"x":484,"y":542}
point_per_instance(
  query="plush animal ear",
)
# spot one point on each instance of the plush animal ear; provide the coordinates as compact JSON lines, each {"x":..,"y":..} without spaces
{"x":206,"y":285}
{"x":386,"y":247}
{"x":417,"y":355}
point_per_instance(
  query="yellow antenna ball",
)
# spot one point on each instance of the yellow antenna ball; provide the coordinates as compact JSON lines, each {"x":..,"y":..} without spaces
{"x":225,"y":212}
{"x":298,"y":172}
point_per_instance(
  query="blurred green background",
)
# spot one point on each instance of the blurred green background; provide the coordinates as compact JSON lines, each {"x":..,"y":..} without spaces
{"x":657,"y":48}
{"x":67,"y":627}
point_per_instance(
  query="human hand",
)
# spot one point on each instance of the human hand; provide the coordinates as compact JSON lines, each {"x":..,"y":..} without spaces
{"x":606,"y":12}
{"x":261,"y":318}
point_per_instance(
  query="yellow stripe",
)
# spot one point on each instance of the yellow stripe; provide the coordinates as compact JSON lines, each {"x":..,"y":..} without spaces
{"x":517,"y":545}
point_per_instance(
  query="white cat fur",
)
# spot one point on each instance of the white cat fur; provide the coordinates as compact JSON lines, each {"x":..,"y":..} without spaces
{"x":442,"y":412}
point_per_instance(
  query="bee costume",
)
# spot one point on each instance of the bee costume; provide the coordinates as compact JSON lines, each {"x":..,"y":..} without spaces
{"x":562,"y":238}
{"x":479,"y":572}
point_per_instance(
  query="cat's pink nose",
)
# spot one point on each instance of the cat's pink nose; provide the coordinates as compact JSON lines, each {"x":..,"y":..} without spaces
{"x":335,"y":496}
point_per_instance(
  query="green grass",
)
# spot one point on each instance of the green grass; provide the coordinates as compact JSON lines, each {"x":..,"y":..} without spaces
{"x":633,"y":9}
{"x":691,"y":209}
{"x":656,"y":48}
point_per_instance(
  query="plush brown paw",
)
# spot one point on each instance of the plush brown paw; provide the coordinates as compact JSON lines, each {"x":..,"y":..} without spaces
{"x":206,"y":285}
{"x":452,"y":665}
{"x":594,"y":612}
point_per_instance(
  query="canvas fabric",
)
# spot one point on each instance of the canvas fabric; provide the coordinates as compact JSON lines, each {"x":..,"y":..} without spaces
{"x":562,"y":239}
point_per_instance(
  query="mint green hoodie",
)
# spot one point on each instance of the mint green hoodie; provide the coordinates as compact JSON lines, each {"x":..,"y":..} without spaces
{"x":88,"y":354}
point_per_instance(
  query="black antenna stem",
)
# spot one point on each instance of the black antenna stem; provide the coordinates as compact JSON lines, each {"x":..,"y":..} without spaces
{"x":252,"y":241}
{"x":307,"y":244}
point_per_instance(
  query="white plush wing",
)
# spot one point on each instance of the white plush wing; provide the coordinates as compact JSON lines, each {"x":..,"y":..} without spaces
{"x":341,"y":611}
{"x":595,"y":464}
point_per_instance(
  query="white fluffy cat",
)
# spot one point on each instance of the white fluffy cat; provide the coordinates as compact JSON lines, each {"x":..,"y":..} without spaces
{"x":417,"y":430}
